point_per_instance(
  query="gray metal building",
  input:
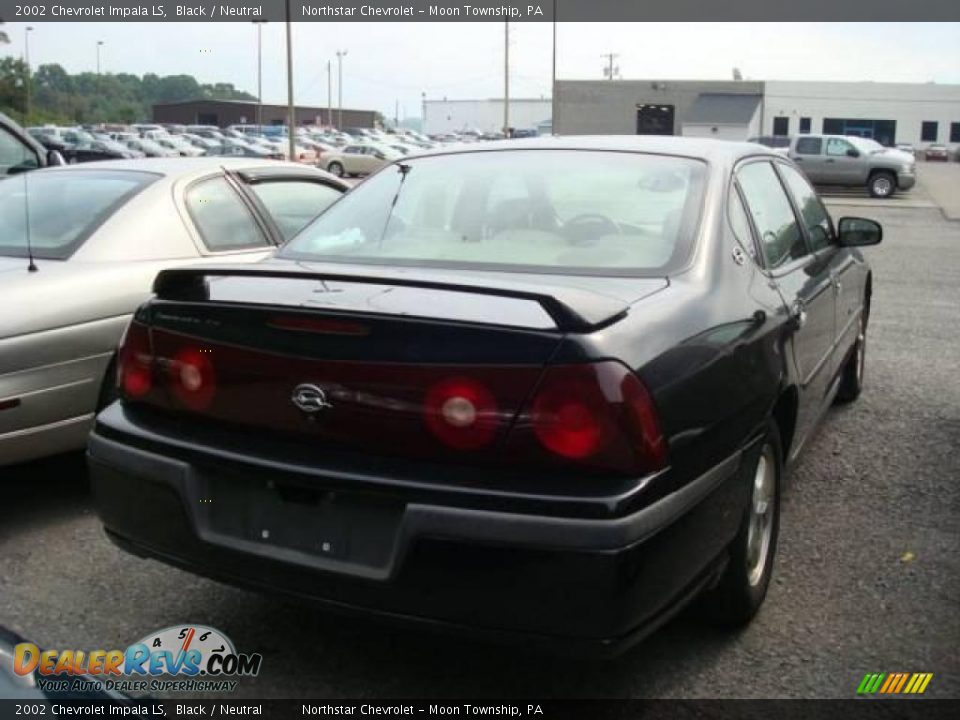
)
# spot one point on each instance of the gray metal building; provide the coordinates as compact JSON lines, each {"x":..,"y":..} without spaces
{"x":241,"y":112}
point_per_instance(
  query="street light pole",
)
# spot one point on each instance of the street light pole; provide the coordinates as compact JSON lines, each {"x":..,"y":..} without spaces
{"x":291,"y":119}
{"x":26,"y":58}
{"x":329,"y":94}
{"x":340,"y":56}
{"x":99,"y":45}
{"x":506,"y":79}
{"x":259,"y":24}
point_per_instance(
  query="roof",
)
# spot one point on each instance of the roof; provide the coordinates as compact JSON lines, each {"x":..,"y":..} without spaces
{"x":722,"y":109}
{"x":708,"y":149}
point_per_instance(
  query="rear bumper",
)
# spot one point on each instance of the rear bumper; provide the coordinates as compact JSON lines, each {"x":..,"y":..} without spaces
{"x":597,"y":584}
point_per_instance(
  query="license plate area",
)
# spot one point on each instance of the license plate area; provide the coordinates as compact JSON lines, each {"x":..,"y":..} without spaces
{"x":350,"y":527}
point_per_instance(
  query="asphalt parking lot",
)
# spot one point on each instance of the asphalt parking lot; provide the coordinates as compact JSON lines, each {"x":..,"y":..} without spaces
{"x":867,"y":580}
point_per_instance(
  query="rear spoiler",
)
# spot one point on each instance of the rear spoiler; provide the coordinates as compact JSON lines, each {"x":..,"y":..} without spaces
{"x":571,"y":309}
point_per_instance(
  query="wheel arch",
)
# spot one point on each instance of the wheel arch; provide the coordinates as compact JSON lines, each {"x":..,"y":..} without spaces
{"x":784,"y":414}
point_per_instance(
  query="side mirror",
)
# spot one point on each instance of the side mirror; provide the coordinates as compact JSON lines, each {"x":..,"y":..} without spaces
{"x":857,"y":232}
{"x":54,"y":158}
{"x":853,"y":153}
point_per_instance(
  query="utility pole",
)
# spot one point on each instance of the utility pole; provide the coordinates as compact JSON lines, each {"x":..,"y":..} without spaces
{"x":259,"y":24}
{"x":99,"y":45}
{"x":506,"y":79}
{"x":396,"y":114}
{"x":340,"y":55}
{"x":610,"y":71}
{"x":291,"y":119}
{"x":553,"y":76}
{"x":329,"y":94}
{"x":26,"y":58}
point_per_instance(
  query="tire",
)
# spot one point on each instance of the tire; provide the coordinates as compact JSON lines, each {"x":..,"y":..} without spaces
{"x":882,"y":184}
{"x":742,"y":587}
{"x":336,"y":168}
{"x":851,"y":378}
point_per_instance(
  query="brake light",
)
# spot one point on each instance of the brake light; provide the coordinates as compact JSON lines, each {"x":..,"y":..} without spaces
{"x":598,"y":415}
{"x":461,"y":413}
{"x":135,"y":362}
{"x":192,"y":378}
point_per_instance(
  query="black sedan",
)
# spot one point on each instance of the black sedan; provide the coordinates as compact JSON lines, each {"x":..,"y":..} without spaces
{"x":542,"y":390}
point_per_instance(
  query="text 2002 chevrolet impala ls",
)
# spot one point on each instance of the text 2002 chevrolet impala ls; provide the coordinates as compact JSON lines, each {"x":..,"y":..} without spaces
{"x":542,"y":388}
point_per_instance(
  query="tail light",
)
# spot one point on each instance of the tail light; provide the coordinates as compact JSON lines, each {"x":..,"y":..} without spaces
{"x":192,"y":378}
{"x":461,"y":413}
{"x":598,"y":415}
{"x":135,"y":362}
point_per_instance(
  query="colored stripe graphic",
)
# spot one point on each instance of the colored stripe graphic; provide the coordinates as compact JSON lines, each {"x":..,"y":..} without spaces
{"x":894,"y":683}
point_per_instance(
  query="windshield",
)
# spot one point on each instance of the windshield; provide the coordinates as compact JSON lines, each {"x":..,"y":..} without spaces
{"x":65,"y":207}
{"x":533,"y":210}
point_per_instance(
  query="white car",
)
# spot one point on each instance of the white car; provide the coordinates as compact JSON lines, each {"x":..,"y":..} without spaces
{"x":360,"y":158}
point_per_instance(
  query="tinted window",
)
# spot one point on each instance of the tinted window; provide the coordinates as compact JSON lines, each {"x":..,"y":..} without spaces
{"x":809,"y":146}
{"x":222,"y":219}
{"x":928,"y":131}
{"x":65,"y":207}
{"x":838,"y":146}
{"x":14,"y":154}
{"x":516,"y":209}
{"x":780,"y":236}
{"x":293,"y":204}
{"x":812,"y":212}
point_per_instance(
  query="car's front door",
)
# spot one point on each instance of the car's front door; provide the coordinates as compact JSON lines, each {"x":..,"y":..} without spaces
{"x":845,"y":165}
{"x":803,"y":280}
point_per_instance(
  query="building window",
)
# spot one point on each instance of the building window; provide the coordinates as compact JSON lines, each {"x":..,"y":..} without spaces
{"x":955,"y":132}
{"x":883,"y":131}
{"x":655,"y":119}
{"x":804,"y":126}
{"x":928,"y":131}
{"x":781,"y":126}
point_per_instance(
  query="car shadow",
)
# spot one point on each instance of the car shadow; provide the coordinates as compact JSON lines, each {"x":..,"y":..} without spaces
{"x":44,"y":491}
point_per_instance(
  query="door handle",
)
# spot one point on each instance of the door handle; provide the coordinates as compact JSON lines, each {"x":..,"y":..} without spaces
{"x":798,"y":315}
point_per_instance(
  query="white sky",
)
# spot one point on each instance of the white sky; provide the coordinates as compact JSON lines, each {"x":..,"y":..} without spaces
{"x":390,"y":62}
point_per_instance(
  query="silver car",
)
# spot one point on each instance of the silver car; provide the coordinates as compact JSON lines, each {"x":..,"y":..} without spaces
{"x":98,"y":235}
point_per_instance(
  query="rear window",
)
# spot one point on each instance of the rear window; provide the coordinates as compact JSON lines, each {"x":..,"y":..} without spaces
{"x":576,"y":211}
{"x":64,"y":207}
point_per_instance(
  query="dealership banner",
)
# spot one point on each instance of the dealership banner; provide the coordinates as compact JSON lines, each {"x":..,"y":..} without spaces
{"x":475,"y":10}
{"x":478,"y":709}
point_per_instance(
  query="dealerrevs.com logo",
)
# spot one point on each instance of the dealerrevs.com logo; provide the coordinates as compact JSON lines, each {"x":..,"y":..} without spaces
{"x":199,"y":659}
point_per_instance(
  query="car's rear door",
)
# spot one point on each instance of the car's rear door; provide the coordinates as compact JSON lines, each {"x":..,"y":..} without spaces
{"x":808,"y":154}
{"x":803,"y":279}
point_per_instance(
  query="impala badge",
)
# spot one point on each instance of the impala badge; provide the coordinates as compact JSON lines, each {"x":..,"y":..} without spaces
{"x":309,"y":398}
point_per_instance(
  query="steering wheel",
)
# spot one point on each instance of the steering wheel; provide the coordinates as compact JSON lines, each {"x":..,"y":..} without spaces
{"x":588,"y":226}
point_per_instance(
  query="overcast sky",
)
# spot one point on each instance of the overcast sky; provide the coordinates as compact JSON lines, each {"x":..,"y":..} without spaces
{"x":388,"y":62}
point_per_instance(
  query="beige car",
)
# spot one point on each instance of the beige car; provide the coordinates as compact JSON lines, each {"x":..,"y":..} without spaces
{"x":99,"y":233}
{"x":359,"y":159}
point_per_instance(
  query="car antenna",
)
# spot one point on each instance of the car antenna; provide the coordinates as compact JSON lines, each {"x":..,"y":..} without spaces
{"x":403,"y":169}
{"x":31,"y":265}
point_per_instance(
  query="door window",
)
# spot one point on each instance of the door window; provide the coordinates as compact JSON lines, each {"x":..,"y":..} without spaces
{"x":15,"y":154}
{"x":294,"y":203}
{"x":222,"y":219}
{"x":809,"y":146}
{"x":780,"y":238}
{"x":838,"y":147}
{"x":814,"y":215}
